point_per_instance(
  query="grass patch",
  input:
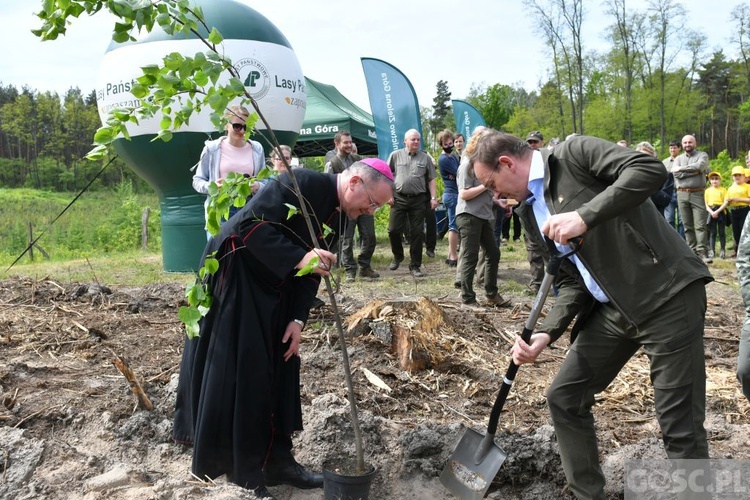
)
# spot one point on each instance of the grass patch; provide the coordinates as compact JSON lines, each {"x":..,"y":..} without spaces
{"x":134,"y":268}
{"x":98,"y":223}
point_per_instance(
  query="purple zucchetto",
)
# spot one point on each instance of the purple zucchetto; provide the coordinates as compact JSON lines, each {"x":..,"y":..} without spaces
{"x":379,"y":165}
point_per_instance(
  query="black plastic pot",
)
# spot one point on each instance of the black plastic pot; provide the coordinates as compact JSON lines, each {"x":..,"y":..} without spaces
{"x":340,"y":483}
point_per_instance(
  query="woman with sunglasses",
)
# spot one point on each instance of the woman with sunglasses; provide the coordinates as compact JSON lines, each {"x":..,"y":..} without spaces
{"x":229,"y":153}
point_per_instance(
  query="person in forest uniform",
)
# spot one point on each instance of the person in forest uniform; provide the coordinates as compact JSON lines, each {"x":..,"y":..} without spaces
{"x":743,"y":273}
{"x":238,"y":397}
{"x":633,"y":284}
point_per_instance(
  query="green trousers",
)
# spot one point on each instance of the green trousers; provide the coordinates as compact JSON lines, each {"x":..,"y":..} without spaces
{"x":475,"y":233}
{"x":673,"y":341}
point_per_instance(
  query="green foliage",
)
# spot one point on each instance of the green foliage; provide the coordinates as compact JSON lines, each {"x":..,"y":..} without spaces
{"x":723,"y":164}
{"x":498,"y":103}
{"x":309,"y":268}
{"x":441,"y":109}
{"x":233,"y":192}
{"x":122,"y":230}
{"x":99,"y":223}
{"x":199,"y":297}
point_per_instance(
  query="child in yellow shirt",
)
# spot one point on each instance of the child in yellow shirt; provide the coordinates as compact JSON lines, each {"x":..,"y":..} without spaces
{"x":738,"y":198}
{"x":716,"y":203}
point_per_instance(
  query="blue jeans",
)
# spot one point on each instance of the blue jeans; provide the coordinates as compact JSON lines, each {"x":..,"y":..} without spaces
{"x":449,"y":201}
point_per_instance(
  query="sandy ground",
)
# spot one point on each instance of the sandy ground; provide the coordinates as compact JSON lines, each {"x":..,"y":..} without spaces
{"x":70,"y":429}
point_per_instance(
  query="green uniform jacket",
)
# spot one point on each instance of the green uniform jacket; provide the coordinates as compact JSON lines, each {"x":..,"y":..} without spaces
{"x":631,"y":252}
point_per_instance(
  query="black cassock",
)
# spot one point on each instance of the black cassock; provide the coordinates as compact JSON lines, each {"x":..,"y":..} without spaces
{"x":238,"y":401}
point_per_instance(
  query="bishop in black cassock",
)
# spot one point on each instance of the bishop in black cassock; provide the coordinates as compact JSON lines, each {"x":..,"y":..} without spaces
{"x":238,"y":398}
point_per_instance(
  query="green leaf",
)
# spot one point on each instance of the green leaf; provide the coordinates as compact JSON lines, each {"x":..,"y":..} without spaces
{"x":166,"y":122}
{"x":192,"y":293}
{"x":309,"y":268}
{"x":218,"y":102}
{"x":264,"y":174}
{"x":200,"y":78}
{"x":168,"y":80}
{"x":163,"y":19}
{"x":211,"y":264}
{"x":192,"y":330}
{"x":139,"y":91}
{"x":235,"y":85}
{"x":199,"y":12}
{"x":121,"y":37}
{"x":212,"y":225}
{"x":203,"y":309}
{"x":243,"y":191}
{"x":292,"y":211}
{"x":173,"y":61}
{"x":97,"y":153}
{"x":151,"y":69}
{"x":146,"y":80}
{"x":215,"y":37}
{"x":123,"y":27}
{"x":189,"y":314}
{"x":164,"y":135}
{"x":104,"y":135}
{"x":213,"y":56}
{"x":327,"y":231}
{"x":252,"y":120}
{"x":74,"y":10}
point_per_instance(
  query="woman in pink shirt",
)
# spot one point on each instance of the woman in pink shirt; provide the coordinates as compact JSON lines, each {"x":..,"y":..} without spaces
{"x":229,"y":153}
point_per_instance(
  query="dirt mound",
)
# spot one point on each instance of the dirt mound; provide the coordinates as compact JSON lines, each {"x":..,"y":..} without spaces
{"x":70,"y":428}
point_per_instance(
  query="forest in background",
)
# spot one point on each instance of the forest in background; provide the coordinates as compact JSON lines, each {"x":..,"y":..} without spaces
{"x":657,"y":82}
{"x":44,"y":138}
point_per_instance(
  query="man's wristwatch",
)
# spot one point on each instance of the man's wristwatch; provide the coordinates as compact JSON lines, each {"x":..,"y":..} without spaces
{"x":434,"y":198}
{"x":300,"y":323}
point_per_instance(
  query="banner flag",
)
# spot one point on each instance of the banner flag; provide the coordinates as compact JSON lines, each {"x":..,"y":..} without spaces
{"x":393,"y":102}
{"x":467,"y":118}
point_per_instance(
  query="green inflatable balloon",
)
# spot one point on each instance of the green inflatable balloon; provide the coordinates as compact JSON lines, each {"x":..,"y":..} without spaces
{"x":273,"y":77}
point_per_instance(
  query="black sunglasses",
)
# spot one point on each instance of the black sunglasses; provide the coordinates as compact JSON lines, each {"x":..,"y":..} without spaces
{"x":239,"y":126}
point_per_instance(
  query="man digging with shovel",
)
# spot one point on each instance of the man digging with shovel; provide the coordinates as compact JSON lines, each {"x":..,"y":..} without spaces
{"x":634,"y":283}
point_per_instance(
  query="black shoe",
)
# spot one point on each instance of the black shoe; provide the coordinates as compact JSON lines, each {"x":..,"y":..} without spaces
{"x":417,"y":273}
{"x":293,"y":474}
{"x":317,"y":303}
{"x":430,"y":254}
{"x":351,"y":276}
{"x":394,"y":264}
{"x":262,"y":492}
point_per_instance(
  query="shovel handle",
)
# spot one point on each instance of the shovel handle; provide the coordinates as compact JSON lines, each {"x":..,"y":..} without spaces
{"x":551,"y":271}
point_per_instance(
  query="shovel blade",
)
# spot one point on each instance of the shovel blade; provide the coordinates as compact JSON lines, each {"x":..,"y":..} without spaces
{"x":468,"y":476}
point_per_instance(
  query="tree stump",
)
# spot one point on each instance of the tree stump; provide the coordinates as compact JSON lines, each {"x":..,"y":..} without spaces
{"x":413,"y":328}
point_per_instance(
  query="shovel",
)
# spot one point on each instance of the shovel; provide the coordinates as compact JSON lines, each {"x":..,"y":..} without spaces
{"x":476,"y":460}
